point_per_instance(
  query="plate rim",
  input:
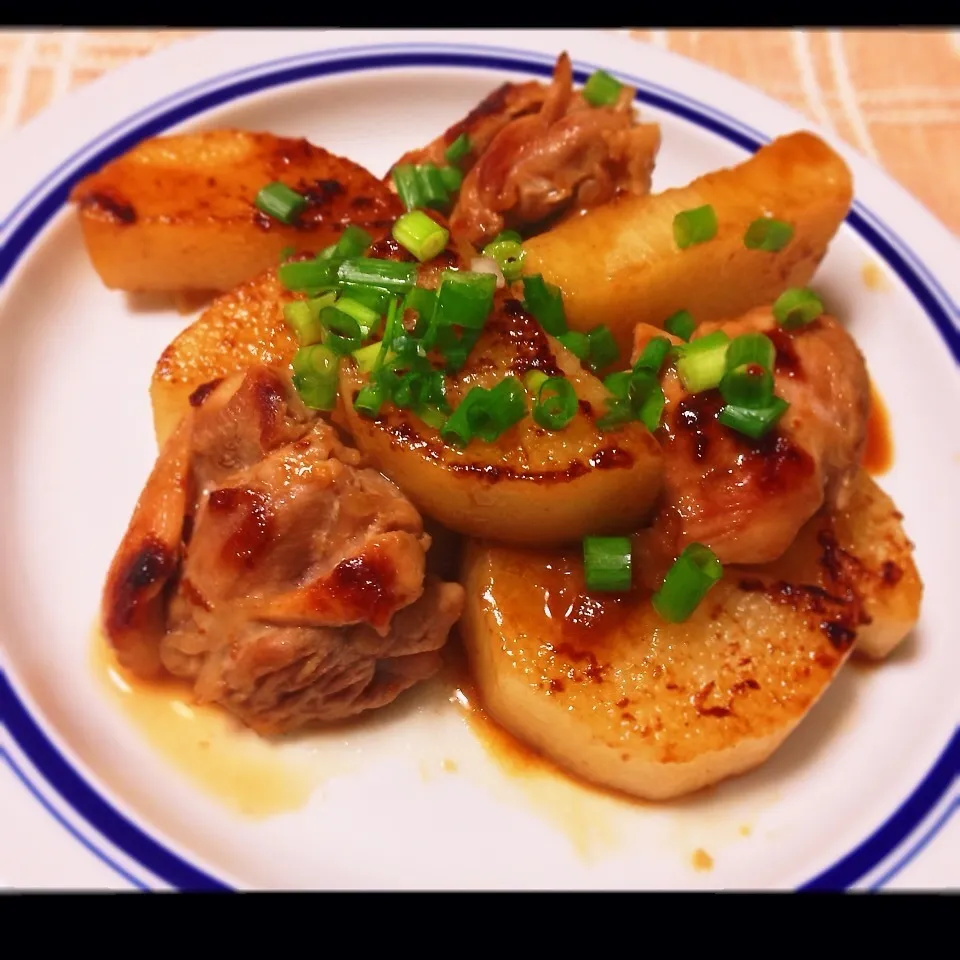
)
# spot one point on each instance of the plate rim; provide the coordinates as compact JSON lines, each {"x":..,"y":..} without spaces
{"x":47,"y":199}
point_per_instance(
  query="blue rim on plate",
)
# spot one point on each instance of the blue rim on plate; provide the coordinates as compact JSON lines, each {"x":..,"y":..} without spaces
{"x":42,"y":203}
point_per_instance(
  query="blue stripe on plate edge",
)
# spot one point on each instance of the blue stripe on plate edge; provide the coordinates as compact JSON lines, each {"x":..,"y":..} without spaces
{"x":220,"y":90}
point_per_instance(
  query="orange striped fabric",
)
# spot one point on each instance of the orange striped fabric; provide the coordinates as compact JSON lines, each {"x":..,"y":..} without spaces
{"x":892,"y":94}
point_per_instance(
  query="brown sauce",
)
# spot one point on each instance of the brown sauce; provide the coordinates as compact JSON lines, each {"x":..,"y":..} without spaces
{"x":203,"y":742}
{"x":878,"y":452}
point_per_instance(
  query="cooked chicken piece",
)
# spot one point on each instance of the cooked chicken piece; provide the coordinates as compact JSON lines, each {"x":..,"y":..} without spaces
{"x":747,"y":499}
{"x":267,"y":565}
{"x":539,"y":152}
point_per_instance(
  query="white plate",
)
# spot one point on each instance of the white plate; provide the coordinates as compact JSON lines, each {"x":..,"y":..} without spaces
{"x":90,"y":800}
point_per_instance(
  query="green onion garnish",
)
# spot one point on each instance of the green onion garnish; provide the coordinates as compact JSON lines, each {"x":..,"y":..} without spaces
{"x":367,"y":318}
{"x":545,"y":302}
{"x":694,"y":226}
{"x":681,"y":324}
{"x":452,"y":178}
{"x":423,"y":237}
{"x":693,"y":573}
{"x":767,"y":234}
{"x":796,"y":307}
{"x":486,"y":413}
{"x":509,"y":255}
{"x":603,"y":348}
{"x":647,"y":399}
{"x":607,"y":563}
{"x":701,"y":363}
{"x":577,"y":343}
{"x":753,"y":421}
{"x":308,"y":274}
{"x":391,"y":328}
{"x":376,"y":298}
{"x":407,"y":182}
{"x":304,"y":322}
{"x":748,"y":385}
{"x":618,"y":384}
{"x":555,"y":401}
{"x":433,"y":191}
{"x":458,"y":149}
{"x":464,"y":299}
{"x":280,"y":202}
{"x":388,"y":274}
{"x":751,"y":348}
{"x":508,"y":235}
{"x":369,"y":400}
{"x":601,"y":90}
{"x":653,"y":355}
{"x":366,"y":357}
{"x":353,"y":241}
{"x":315,"y":377}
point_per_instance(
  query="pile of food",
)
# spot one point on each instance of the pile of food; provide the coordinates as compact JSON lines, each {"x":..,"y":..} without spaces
{"x":634,"y":429}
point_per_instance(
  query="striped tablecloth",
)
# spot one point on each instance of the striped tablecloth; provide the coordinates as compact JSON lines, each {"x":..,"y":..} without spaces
{"x":892,"y":94}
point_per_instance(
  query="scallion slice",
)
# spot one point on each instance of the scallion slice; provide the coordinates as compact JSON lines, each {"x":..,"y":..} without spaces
{"x":693,"y":573}
{"x":701,"y":363}
{"x":366,"y":357}
{"x":308,"y":274}
{"x":486,"y":413}
{"x":545,"y":302}
{"x":315,"y":376}
{"x":618,"y":384}
{"x":601,"y":90}
{"x":304,"y":322}
{"x":458,"y":149}
{"x":464,"y":299}
{"x":755,"y":348}
{"x":681,"y":324}
{"x":607,"y":564}
{"x":367,"y":318}
{"x":390,"y":275}
{"x":767,"y":234}
{"x":408,"y":186}
{"x":433,"y":191}
{"x":391,"y":328}
{"x":754,"y":422}
{"x":423,"y":237}
{"x":369,"y":400}
{"x":555,"y":403}
{"x":653,"y":355}
{"x":509,"y":255}
{"x":647,"y":399}
{"x":748,"y":385}
{"x":353,"y":241}
{"x":452,"y":178}
{"x":376,"y":298}
{"x":603,"y":348}
{"x":577,"y":343}
{"x":280,"y":202}
{"x":796,"y":307}
{"x":694,"y":226}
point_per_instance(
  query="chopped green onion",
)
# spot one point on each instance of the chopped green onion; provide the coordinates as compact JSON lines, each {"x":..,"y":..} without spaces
{"x":369,"y":400}
{"x":308,"y":274}
{"x":304,"y":323}
{"x":533,"y":380}
{"x":701,"y":363}
{"x":407,"y":182}
{"x":754,"y":422}
{"x":509,"y":255}
{"x":452,"y":178}
{"x":618,"y":413}
{"x":367,"y":319}
{"x":464,"y":299}
{"x":767,"y":234}
{"x":486,"y":413}
{"x":545,"y":302}
{"x":603,"y":348}
{"x":601,"y":90}
{"x":607,"y":563}
{"x":376,"y":298}
{"x":796,"y":307}
{"x":694,"y":226}
{"x":315,"y":377}
{"x":342,"y":323}
{"x":653,"y":355}
{"x":749,"y":348}
{"x":507,"y":235}
{"x":618,"y":384}
{"x":423,"y":237}
{"x":388,"y":274}
{"x":693,"y":573}
{"x":366,"y":357}
{"x":577,"y":343}
{"x":647,"y":399}
{"x":433,"y":417}
{"x":423,"y":302}
{"x":280,"y":202}
{"x":391,"y":328}
{"x":458,"y":149}
{"x":555,"y":402}
{"x":433,"y":190}
{"x":748,"y":385}
{"x":681,"y":324}
{"x":353,"y":241}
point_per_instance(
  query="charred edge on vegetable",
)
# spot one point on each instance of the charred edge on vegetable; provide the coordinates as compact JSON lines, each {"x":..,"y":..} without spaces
{"x":197,"y":398}
{"x":153,"y":563}
{"x":112,"y":204}
{"x":528,"y":343}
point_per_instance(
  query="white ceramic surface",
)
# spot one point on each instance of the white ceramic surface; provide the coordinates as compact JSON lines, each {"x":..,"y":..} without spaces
{"x":388,"y":809}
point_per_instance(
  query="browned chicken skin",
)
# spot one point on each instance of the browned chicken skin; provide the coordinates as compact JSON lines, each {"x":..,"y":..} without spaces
{"x":542,"y":151}
{"x":747,"y":499}
{"x":266,"y":565}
